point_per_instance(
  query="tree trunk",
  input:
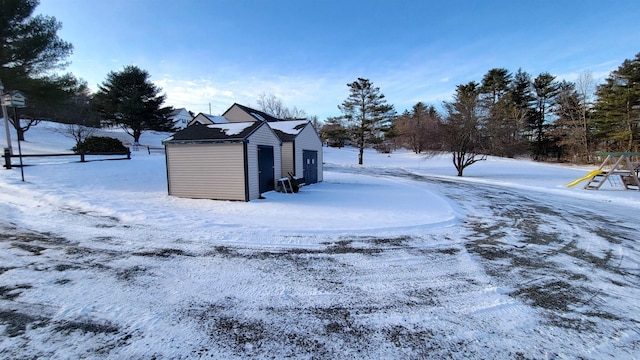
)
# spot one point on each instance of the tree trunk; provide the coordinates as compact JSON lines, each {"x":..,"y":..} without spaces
{"x":360,"y":155}
{"x":136,"y":136}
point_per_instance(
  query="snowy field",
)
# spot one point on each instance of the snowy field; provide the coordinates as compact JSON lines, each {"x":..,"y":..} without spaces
{"x":398,"y":258}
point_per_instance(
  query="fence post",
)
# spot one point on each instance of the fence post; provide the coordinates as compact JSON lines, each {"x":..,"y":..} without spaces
{"x":7,"y":158}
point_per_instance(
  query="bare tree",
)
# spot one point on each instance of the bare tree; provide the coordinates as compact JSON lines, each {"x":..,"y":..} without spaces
{"x":416,"y":127}
{"x":273,"y":105}
{"x":77,"y":132}
{"x":585,"y":87}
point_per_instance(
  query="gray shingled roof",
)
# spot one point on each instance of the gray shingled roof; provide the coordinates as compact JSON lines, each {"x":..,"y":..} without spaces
{"x":228,"y":132}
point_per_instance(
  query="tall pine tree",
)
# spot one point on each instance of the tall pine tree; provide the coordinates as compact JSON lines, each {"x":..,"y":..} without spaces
{"x":367,"y":112}
{"x":502,"y":117}
{"x":546,"y":89}
{"x":568,"y":127}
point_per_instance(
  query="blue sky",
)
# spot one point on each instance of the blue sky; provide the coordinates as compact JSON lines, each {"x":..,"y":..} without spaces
{"x":210,"y":54}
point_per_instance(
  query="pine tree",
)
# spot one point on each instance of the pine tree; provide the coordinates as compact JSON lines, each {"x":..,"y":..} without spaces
{"x":568,"y":128}
{"x":334,"y":133}
{"x":545,"y":89}
{"x":503,"y":119}
{"x":495,"y":84}
{"x":368,"y":113}
{"x":30,"y":49}
{"x":30,"y":44}
{"x":462,"y":129}
{"x":617,"y":109}
{"x":521,"y":91}
{"x":128,"y":99}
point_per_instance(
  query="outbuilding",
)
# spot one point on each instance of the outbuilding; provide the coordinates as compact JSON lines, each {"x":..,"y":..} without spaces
{"x":223,"y":161}
{"x":301,"y":149}
{"x":301,"y":144}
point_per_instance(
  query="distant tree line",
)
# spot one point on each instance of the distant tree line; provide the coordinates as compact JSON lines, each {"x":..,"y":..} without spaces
{"x":505,"y":114}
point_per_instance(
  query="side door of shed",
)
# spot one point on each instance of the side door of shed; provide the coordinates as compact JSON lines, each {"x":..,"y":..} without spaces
{"x":266,"y":175}
{"x":310,"y":166}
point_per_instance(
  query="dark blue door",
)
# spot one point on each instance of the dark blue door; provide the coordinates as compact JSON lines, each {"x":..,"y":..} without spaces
{"x":310,"y":166}
{"x":265,"y":168}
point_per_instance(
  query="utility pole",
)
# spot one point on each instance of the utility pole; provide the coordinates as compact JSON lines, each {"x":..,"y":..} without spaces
{"x":5,"y":116}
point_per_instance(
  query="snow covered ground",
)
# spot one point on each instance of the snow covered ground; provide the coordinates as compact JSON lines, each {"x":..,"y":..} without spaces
{"x":398,"y":258}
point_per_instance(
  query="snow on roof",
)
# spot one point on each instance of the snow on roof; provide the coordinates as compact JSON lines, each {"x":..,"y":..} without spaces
{"x":258,"y":116}
{"x":292,"y":127}
{"x":231,"y":129}
{"x":216,"y":119}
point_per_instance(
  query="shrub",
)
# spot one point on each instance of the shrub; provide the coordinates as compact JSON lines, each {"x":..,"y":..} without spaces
{"x":98,"y":144}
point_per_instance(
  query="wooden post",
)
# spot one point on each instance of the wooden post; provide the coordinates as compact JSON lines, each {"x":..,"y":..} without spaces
{"x":7,"y":158}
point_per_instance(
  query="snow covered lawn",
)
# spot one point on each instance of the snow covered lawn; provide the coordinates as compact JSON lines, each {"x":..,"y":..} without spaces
{"x":394,"y":259}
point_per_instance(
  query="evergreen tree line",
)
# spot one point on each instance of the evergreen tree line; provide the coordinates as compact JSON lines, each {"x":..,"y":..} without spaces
{"x":509,"y":114}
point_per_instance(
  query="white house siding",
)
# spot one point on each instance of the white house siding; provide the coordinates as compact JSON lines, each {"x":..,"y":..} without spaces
{"x":287,"y":159}
{"x":206,"y":171}
{"x":262,"y":136}
{"x":181,"y":118}
{"x":308,"y":139}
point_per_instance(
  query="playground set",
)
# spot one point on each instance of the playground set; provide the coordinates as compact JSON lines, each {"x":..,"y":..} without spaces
{"x":617,"y":168}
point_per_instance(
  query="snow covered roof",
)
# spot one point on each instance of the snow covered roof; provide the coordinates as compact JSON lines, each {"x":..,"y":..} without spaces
{"x":227,"y":132}
{"x":216,"y":119}
{"x":230,"y":129}
{"x":287,"y":130}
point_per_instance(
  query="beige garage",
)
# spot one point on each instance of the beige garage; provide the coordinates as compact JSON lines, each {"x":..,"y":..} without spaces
{"x":232,"y":161}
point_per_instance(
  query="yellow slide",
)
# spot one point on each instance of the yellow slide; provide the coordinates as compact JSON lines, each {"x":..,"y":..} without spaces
{"x":589,"y":176}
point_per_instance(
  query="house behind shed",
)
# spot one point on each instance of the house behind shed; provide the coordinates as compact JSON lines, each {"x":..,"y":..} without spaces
{"x":228,"y":161}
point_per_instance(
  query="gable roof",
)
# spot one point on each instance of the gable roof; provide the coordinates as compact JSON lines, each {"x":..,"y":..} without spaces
{"x":214,"y":133}
{"x":176,"y":112}
{"x":256,"y":114}
{"x":287,"y":130}
{"x":208,"y":118}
